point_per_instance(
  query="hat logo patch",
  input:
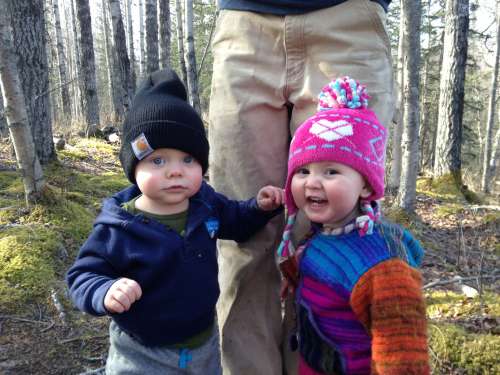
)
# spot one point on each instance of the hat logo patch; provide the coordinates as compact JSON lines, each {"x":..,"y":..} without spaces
{"x":331,"y":130}
{"x":141,"y":147}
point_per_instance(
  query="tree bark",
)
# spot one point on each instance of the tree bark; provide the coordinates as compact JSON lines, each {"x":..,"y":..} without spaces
{"x":152,"y":58}
{"x":180,"y":41}
{"x":486,"y":176}
{"x":192,"y":75}
{"x":87,"y":64}
{"x":77,"y":94}
{"x":110,"y":65}
{"x":61,"y":59}
{"x":397,"y":134}
{"x":142,"y":37}
{"x":164,"y":33}
{"x":451,"y":95}
{"x":29,"y":39}
{"x":133,"y":76}
{"x":125,"y":87}
{"x":411,"y":118}
{"x":17,"y":116}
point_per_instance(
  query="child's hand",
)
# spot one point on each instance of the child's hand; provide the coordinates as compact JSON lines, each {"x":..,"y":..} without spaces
{"x":270,"y":198}
{"x":122,"y":294}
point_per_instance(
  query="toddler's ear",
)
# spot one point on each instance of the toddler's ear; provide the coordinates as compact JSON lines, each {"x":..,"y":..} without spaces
{"x":366,"y":191}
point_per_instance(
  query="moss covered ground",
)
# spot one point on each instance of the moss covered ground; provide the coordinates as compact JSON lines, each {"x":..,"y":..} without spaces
{"x":41,"y":333}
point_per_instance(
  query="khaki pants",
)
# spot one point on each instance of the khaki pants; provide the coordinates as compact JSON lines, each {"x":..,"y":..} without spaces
{"x":267,"y":73}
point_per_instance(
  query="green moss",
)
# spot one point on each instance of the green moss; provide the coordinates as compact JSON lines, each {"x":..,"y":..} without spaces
{"x":26,"y":258}
{"x":447,"y":209}
{"x":471,"y":353}
{"x":447,"y":304}
{"x":73,"y":154}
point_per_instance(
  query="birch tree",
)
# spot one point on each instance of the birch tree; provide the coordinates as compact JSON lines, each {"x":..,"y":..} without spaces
{"x":164,"y":33}
{"x":87,"y":64}
{"x":451,"y":96}
{"x":131,"y":49}
{"x":77,"y":95}
{"x":121,"y":53}
{"x":61,"y":60}
{"x":486,"y":175}
{"x":17,"y":116}
{"x":180,"y":41}
{"x":110,"y":65}
{"x":29,"y":40}
{"x":152,"y":58}
{"x":397,"y":133}
{"x":192,"y":75}
{"x":412,"y":14}
{"x":142,"y":38}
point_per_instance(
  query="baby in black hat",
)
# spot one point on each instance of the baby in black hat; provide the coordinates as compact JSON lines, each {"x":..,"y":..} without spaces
{"x":151,"y":260}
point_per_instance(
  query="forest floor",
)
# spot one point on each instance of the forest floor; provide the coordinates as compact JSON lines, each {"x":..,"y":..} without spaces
{"x":41,"y":333}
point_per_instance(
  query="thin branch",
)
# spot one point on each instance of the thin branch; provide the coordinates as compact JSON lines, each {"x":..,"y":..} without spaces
{"x":459,"y":279}
{"x":207,"y":46}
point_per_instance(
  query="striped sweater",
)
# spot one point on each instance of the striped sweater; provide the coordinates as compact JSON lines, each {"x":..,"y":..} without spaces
{"x":360,"y":306}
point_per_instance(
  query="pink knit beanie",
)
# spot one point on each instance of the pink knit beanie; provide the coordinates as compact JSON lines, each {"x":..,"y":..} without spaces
{"x":343,"y":130}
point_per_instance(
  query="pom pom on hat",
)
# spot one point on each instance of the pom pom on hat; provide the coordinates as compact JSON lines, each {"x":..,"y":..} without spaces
{"x":344,"y":131}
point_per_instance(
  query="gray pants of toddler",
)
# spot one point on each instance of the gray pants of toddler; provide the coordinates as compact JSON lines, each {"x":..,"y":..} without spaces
{"x":128,"y":357}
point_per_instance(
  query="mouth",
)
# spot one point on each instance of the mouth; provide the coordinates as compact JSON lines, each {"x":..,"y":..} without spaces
{"x":175,"y":188}
{"x":316,"y":201}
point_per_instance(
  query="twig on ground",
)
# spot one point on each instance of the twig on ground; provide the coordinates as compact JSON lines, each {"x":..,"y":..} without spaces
{"x":65,"y":341}
{"x":24,"y":319}
{"x":59,"y":306}
{"x":459,"y":279}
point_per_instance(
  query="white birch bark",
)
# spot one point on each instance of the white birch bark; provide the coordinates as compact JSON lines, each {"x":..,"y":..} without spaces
{"x":486,"y":175}
{"x":142,"y":39}
{"x":17,"y":116}
{"x":412,"y":17}
{"x":108,"y":55}
{"x":451,"y":91}
{"x":131,"y":49}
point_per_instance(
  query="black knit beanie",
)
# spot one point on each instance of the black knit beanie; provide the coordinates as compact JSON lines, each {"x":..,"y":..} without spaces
{"x":161,"y":117}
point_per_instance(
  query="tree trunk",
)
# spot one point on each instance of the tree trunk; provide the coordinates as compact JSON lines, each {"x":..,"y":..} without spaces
{"x":425,"y":105}
{"x":152,"y":63}
{"x":411,"y":66}
{"x":180,"y":41}
{"x":142,"y":37}
{"x":395,"y":176}
{"x":164,"y":33}
{"x":125,"y":88}
{"x":4,"y":131}
{"x":451,"y":95}
{"x":87,"y":64}
{"x":17,"y":116}
{"x":133,"y":76}
{"x":77,"y":95}
{"x":485,"y":178}
{"x":29,"y":39}
{"x":63,"y":77}
{"x":110,"y":66}
{"x":192,"y":75}
{"x":495,"y":155}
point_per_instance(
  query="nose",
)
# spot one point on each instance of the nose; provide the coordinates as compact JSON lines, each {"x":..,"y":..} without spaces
{"x":173,"y":170}
{"x":313,"y":181}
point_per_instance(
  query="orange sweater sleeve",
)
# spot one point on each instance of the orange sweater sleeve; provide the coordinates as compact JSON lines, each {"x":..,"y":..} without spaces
{"x":388,"y":301}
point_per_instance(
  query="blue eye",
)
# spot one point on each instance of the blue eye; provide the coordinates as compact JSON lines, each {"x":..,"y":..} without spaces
{"x":188,"y":159}
{"x":331,"y":172}
{"x":158,"y":161}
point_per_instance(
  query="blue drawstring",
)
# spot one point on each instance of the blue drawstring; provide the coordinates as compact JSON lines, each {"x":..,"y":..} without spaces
{"x":184,"y":358}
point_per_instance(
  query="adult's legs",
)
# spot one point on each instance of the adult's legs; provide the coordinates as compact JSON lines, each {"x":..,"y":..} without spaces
{"x":249,"y":138}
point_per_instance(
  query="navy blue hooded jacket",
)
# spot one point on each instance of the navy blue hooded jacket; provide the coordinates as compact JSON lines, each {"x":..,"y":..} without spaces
{"x":177,"y":275}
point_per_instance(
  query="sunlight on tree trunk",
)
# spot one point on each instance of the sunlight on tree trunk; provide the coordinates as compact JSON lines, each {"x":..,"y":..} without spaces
{"x":17,"y":116}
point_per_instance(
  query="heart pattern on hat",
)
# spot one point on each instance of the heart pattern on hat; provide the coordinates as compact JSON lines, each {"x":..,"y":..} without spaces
{"x":331,"y":130}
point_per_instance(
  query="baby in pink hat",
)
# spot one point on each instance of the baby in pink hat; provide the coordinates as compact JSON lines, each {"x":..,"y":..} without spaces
{"x":358,"y":295}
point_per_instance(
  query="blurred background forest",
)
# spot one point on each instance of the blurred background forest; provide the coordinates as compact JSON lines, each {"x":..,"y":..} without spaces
{"x":69,"y":70}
